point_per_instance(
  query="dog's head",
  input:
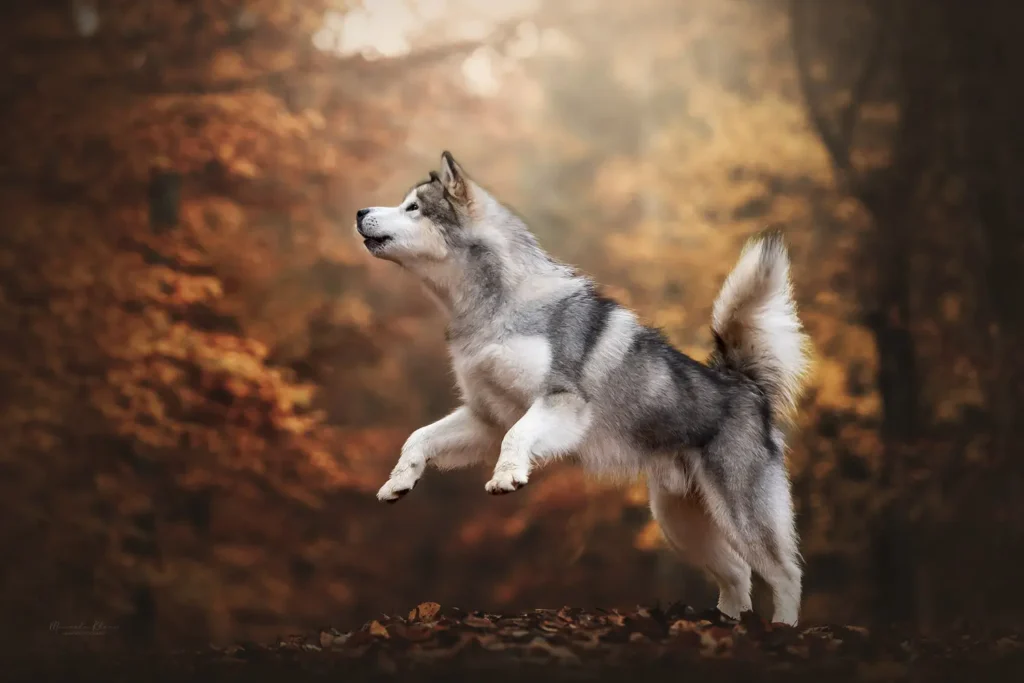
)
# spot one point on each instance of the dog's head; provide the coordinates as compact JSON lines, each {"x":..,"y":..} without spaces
{"x":429,"y":223}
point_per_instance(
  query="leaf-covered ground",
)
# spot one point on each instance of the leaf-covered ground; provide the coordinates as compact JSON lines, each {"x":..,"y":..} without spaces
{"x":675,"y":643}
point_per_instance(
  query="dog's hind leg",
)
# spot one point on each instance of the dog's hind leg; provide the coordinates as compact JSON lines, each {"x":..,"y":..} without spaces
{"x":693,"y":534}
{"x":772,"y":546}
{"x":456,"y":440}
{"x":763,"y":534}
{"x":554,"y":425}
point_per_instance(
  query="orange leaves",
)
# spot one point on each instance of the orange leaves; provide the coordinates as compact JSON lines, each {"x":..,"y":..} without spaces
{"x":650,"y":537}
{"x":228,"y":65}
{"x":154,"y":375}
{"x":425,"y":612}
{"x":376,"y":629}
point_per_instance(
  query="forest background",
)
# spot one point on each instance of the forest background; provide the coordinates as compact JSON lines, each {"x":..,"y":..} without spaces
{"x":204,"y":378}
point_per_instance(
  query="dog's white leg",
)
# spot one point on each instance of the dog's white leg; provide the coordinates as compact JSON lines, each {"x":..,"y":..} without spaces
{"x":778,"y":563}
{"x":775,"y":555}
{"x":783,"y":574}
{"x":457,"y":440}
{"x":767,"y":541}
{"x":553,"y":426}
{"x":694,"y":536}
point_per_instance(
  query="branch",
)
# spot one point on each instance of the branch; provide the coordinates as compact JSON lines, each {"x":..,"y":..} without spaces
{"x":147,"y":82}
{"x":858,"y":93}
{"x":838,"y":140}
{"x":837,"y":148}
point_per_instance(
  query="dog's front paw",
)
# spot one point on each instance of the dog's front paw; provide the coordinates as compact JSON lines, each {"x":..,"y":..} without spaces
{"x":397,"y":486}
{"x":507,"y":481}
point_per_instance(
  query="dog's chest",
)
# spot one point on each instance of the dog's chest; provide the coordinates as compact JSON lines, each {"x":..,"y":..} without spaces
{"x":504,"y":377}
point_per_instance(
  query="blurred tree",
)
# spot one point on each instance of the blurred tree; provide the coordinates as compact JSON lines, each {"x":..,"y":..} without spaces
{"x":919,"y":133}
{"x":174,"y":285}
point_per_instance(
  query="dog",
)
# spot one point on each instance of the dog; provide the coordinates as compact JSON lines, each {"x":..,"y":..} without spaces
{"x":548,"y":367}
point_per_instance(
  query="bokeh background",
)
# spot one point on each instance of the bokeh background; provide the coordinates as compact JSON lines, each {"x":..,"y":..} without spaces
{"x":204,"y":379}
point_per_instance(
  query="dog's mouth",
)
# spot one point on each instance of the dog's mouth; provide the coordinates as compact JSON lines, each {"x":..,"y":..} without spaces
{"x":374,"y":244}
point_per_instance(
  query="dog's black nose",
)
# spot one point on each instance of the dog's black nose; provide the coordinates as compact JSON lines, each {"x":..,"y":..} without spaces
{"x":361,"y":212}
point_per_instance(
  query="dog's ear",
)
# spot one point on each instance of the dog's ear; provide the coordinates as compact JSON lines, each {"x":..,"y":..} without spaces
{"x":454,"y":179}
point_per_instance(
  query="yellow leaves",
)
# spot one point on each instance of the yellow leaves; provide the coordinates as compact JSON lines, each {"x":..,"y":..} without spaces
{"x":328,"y":466}
{"x":243,"y":168}
{"x":164,"y":285}
{"x":217,"y":355}
{"x":670,"y":319}
{"x":636,"y":494}
{"x":619,"y":181}
{"x":296,"y":425}
{"x":650,"y":537}
{"x":227,"y":65}
{"x":353,"y":309}
{"x":297,"y":396}
{"x":277,"y":61}
{"x":826,"y":298}
{"x":112,"y":319}
{"x":563,"y":489}
{"x":316,"y":121}
{"x":952,"y":307}
{"x":768,"y":133}
{"x":425,"y":611}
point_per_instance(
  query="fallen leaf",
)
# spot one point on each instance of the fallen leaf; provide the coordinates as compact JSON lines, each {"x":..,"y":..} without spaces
{"x":425,"y":611}
{"x":477,"y":622}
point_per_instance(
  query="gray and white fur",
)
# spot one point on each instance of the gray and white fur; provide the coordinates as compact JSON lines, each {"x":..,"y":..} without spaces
{"x":548,"y":367}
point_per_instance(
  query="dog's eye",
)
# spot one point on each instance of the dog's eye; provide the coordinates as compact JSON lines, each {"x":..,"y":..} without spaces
{"x":412,"y":207}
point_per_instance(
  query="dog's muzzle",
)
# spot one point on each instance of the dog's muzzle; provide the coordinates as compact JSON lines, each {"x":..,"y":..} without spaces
{"x":372,"y":242}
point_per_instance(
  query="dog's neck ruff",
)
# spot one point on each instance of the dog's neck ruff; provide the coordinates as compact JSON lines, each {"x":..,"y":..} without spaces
{"x":485,"y":284}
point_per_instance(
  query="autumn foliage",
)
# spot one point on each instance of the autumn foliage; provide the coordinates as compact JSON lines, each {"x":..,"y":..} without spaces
{"x":203,"y":379}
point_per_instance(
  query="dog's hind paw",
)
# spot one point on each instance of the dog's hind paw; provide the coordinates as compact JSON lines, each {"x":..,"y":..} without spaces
{"x":506,"y":482}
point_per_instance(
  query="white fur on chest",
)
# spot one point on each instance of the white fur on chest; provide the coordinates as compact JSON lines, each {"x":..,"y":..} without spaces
{"x":503,"y":378}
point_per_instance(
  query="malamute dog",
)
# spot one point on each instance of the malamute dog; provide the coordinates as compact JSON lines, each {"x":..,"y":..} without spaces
{"x":548,"y":367}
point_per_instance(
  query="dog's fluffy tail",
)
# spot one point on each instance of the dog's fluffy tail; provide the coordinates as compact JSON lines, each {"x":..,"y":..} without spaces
{"x":755,"y":324}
